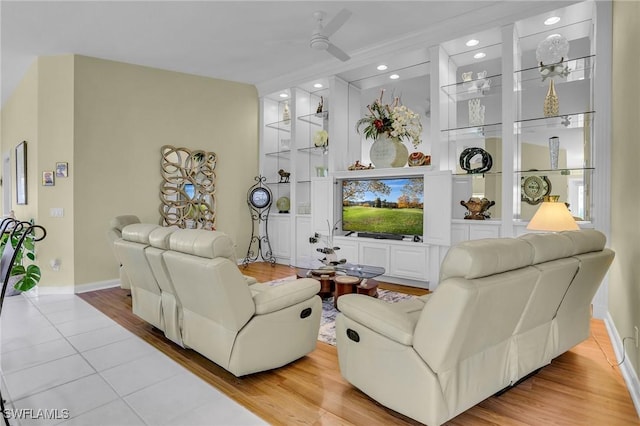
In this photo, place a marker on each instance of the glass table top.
(351, 269)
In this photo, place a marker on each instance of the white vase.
(476, 113)
(554, 150)
(388, 152)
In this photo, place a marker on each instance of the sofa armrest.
(380, 316)
(250, 280)
(271, 299)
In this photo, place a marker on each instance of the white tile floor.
(60, 354)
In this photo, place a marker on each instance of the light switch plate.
(56, 212)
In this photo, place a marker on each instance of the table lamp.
(552, 216)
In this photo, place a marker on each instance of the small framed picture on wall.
(48, 178)
(62, 169)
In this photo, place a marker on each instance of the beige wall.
(624, 278)
(40, 112)
(108, 120)
(20, 123)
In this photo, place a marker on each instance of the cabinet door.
(348, 249)
(484, 231)
(459, 233)
(374, 254)
(305, 251)
(280, 236)
(321, 205)
(409, 262)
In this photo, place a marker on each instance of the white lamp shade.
(554, 217)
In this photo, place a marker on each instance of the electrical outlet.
(636, 334)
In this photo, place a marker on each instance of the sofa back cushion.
(145, 290)
(210, 286)
(159, 243)
(549, 246)
(481, 258)
(586, 240)
(202, 243)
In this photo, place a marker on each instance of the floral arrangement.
(395, 120)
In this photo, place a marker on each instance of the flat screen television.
(383, 207)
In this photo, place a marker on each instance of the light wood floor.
(578, 388)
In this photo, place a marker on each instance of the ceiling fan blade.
(337, 22)
(337, 52)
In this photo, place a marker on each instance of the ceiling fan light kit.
(320, 36)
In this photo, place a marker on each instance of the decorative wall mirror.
(21, 173)
(188, 188)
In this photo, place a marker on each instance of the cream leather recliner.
(115, 233)
(243, 328)
(171, 309)
(503, 308)
(146, 295)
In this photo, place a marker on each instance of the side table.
(348, 285)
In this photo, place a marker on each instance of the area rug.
(327, 332)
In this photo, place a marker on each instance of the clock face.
(534, 188)
(260, 198)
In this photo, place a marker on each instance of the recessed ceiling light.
(552, 20)
(479, 55)
(381, 67)
(394, 76)
(317, 85)
(284, 95)
(472, 42)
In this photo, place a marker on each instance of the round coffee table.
(326, 278)
(347, 285)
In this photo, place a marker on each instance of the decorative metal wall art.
(188, 188)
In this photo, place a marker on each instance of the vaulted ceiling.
(265, 43)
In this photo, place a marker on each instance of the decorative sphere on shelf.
(283, 204)
(552, 50)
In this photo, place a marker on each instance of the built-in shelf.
(580, 69)
(478, 88)
(283, 125)
(471, 132)
(564, 121)
(478, 175)
(560, 172)
(315, 150)
(315, 118)
(281, 154)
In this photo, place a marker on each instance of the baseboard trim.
(100, 285)
(626, 368)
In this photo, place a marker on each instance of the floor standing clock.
(259, 200)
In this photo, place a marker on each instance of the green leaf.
(18, 270)
(30, 279)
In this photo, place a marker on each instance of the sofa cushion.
(548, 247)
(586, 240)
(138, 232)
(209, 244)
(119, 222)
(159, 237)
(480, 258)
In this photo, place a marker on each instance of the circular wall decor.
(469, 154)
(260, 197)
(534, 188)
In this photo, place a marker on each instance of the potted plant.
(22, 238)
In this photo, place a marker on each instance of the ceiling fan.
(321, 34)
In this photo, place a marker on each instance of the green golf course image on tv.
(383, 206)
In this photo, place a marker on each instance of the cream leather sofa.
(114, 233)
(243, 328)
(503, 308)
(186, 283)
